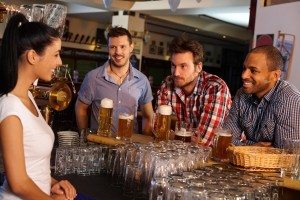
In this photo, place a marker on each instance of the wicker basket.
(259, 157)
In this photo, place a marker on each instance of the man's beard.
(184, 84)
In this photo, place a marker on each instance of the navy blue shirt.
(272, 119)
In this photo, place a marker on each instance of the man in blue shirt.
(118, 81)
(266, 110)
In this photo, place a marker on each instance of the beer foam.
(165, 110)
(223, 132)
(125, 116)
(106, 103)
(183, 132)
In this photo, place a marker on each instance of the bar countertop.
(99, 187)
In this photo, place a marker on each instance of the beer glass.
(222, 140)
(26, 10)
(125, 126)
(105, 117)
(163, 123)
(184, 135)
(54, 16)
(37, 13)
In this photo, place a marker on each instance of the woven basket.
(260, 157)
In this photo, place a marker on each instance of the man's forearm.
(82, 121)
(147, 128)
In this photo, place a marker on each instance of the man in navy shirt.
(266, 110)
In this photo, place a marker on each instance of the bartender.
(117, 80)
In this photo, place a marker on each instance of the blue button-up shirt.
(272, 119)
(133, 92)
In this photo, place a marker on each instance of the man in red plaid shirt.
(199, 100)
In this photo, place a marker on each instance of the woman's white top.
(38, 139)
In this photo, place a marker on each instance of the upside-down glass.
(85, 162)
(158, 188)
(95, 158)
(111, 159)
(70, 162)
(176, 190)
(26, 10)
(295, 172)
(128, 182)
(291, 147)
(118, 169)
(54, 16)
(37, 13)
(60, 161)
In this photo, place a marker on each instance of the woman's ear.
(32, 57)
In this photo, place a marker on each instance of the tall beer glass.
(163, 123)
(125, 126)
(222, 140)
(105, 117)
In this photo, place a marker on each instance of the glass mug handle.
(215, 141)
(215, 147)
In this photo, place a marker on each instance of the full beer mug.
(163, 123)
(105, 117)
(125, 126)
(222, 140)
(184, 135)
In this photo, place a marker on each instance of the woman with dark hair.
(30, 50)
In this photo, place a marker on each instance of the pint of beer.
(183, 135)
(222, 140)
(163, 123)
(125, 127)
(105, 117)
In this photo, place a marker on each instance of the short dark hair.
(118, 31)
(20, 36)
(273, 55)
(182, 45)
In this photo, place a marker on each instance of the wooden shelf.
(90, 47)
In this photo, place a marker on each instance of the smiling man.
(199, 100)
(266, 110)
(118, 81)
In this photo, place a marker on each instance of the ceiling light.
(241, 19)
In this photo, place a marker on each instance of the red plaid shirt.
(204, 109)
